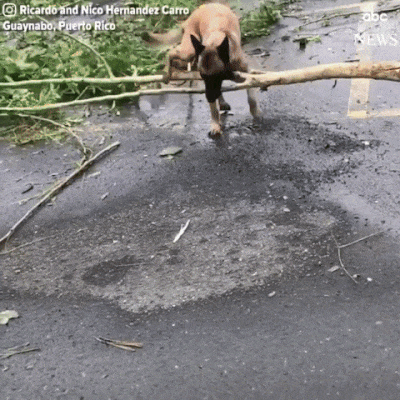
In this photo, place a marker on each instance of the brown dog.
(211, 35)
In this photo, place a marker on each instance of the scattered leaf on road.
(334, 268)
(170, 151)
(5, 316)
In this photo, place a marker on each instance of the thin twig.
(58, 188)
(86, 152)
(342, 246)
(328, 17)
(121, 344)
(339, 247)
(338, 11)
(25, 245)
(17, 350)
(341, 262)
(182, 231)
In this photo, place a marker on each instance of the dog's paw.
(215, 131)
(259, 121)
(256, 113)
(224, 106)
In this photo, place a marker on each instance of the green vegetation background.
(42, 55)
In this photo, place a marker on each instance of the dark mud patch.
(111, 271)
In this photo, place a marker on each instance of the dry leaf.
(5, 316)
(333, 269)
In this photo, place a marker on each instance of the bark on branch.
(385, 70)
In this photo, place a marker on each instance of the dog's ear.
(223, 50)
(198, 47)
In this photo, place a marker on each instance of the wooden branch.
(57, 188)
(140, 80)
(100, 99)
(385, 70)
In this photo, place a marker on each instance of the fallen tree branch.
(57, 188)
(140, 80)
(385, 70)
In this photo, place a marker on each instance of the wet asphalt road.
(244, 305)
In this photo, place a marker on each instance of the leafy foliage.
(41, 55)
(257, 23)
(52, 54)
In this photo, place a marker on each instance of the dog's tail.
(170, 38)
(174, 36)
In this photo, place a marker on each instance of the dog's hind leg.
(253, 103)
(223, 105)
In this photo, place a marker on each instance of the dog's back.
(210, 24)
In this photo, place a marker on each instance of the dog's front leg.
(216, 128)
(213, 92)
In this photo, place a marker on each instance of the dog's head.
(213, 65)
(211, 60)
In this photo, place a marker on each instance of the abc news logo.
(376, 39)
(374, 17)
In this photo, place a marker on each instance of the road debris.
(333, 269)
(121, 344)
(26, 244)
(182, 231)
(6, 315)
(58, 188)
(28, 187)
(339, 247)
(12, 351)
(170, 152)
